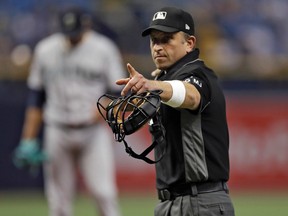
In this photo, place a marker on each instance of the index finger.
(131, 70)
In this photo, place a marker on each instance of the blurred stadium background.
(245, 41)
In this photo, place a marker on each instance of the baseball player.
(70, 71)
(191, 176)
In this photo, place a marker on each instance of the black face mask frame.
(127, 114)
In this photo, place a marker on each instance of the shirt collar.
(191, 56)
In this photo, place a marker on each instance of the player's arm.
(33, 115)
(28, 153)
(33, 120)
(176, 93)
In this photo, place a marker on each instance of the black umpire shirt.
(197, 142)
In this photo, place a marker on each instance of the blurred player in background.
(70, 71)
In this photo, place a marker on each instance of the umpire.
(193, 173)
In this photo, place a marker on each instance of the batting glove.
(29, 155)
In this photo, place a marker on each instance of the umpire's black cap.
(73, 20)
(171, 19)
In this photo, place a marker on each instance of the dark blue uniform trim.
(36, 98)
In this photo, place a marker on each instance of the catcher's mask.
(125, 115)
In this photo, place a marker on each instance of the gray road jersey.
(75, 78)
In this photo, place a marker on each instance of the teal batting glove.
(29, 155)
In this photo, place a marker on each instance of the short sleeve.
(202, 85)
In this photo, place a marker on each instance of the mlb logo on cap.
(160, 15)
(171, 19)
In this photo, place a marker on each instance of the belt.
(191, 189)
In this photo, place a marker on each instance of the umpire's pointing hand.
(136, 82)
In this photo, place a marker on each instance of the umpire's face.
(168, 48)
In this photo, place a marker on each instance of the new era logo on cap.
(159, 15)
